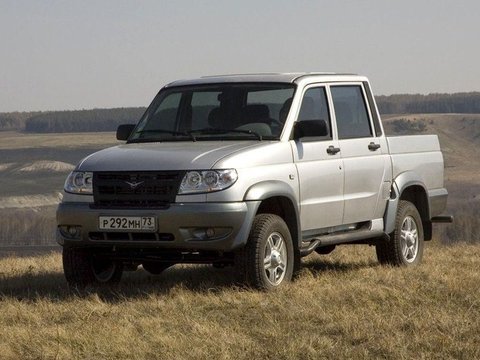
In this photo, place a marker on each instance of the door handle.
(332, 150)
(373, 147)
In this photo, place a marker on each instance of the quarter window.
(351, 112)
(315, 107)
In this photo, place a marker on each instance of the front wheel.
(267, 261)
(82, 268)
(405, 246)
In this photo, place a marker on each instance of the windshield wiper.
(212, 131)
(160, 131)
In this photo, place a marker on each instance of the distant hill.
(459, 136)
(109, 119)
(458, 103)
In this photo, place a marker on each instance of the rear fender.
(400, 184)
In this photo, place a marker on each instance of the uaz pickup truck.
(254, 171)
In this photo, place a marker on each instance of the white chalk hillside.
(6, 166)
(47, 165)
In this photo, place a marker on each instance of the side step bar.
(442, 219)
(342, 238)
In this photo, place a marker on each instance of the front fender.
(270, 188)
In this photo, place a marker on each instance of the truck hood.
(163, 156)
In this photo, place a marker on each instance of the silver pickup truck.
(254, 171)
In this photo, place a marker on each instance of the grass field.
(342, 305)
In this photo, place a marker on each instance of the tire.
(82, 268)
(405, 246)
(267, 260)
(156, 268)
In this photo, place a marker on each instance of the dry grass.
(342, 306)
(27, 226)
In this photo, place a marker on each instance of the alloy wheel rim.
(275, 261)
(409, 239)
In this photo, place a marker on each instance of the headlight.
(79, 182)
(207, 181)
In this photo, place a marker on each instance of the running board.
(342, 238)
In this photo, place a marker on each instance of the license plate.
(144, 223)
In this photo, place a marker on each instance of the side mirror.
(310, 128)
(124, 131)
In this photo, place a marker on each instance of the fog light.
(70, 231)
(210, 232)
(203, 233)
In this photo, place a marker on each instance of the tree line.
(70, 121)
(109, 119)
(15, 120)
(83, 120)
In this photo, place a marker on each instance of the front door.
(320, 169)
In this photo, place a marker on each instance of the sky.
(63, 55)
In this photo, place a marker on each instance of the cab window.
(351, 112)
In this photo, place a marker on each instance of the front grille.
(148, 189)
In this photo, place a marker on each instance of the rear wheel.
(267, 261)
(81, 268)
(405, 246)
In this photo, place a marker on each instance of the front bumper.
(180, 226)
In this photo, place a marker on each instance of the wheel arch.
(409, 186)
(277, 198)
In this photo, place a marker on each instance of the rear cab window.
(351, 113)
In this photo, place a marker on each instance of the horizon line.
(145, 106)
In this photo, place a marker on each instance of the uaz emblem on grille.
(134, 184)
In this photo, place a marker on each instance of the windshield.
(216, 112)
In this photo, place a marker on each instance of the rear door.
(363, 150)
(319, 169)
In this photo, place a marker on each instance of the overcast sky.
(58, 55)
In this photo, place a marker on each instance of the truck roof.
(293, 77)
